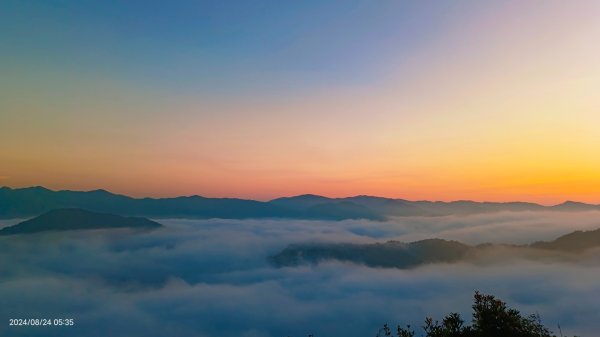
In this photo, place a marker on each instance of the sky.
(493, 100)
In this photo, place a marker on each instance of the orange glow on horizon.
(503, 106)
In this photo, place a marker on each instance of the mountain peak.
(574, 205)
(34, 189)
(571, 202)
(367, 197)
(63, 219)
(303, 197)
(100, 191)
(308, 196)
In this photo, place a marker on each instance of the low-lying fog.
(211, 278)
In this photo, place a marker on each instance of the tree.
(491, 318)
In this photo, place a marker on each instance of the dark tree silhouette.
(491, 318)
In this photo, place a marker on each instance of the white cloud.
(210, 278)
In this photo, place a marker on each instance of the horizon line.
(298, 195)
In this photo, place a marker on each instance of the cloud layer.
(211, 278)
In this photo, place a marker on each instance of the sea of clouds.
(212, 278)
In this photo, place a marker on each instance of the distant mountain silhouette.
(32, 201)
(341, 210)
(573, 242)
(574, 206)
(36, 200)
(391, 254)
(76, 219)
(395, 254)
(300, 202)
(472, 207)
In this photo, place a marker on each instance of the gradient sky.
(444, 100)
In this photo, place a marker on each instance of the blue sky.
(491, 100)
(221, 45)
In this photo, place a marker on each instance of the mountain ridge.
(64, 219)
(35, 200)
(405, 255)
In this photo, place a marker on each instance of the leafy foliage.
(491, 318)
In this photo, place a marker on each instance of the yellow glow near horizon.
(502, 108)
